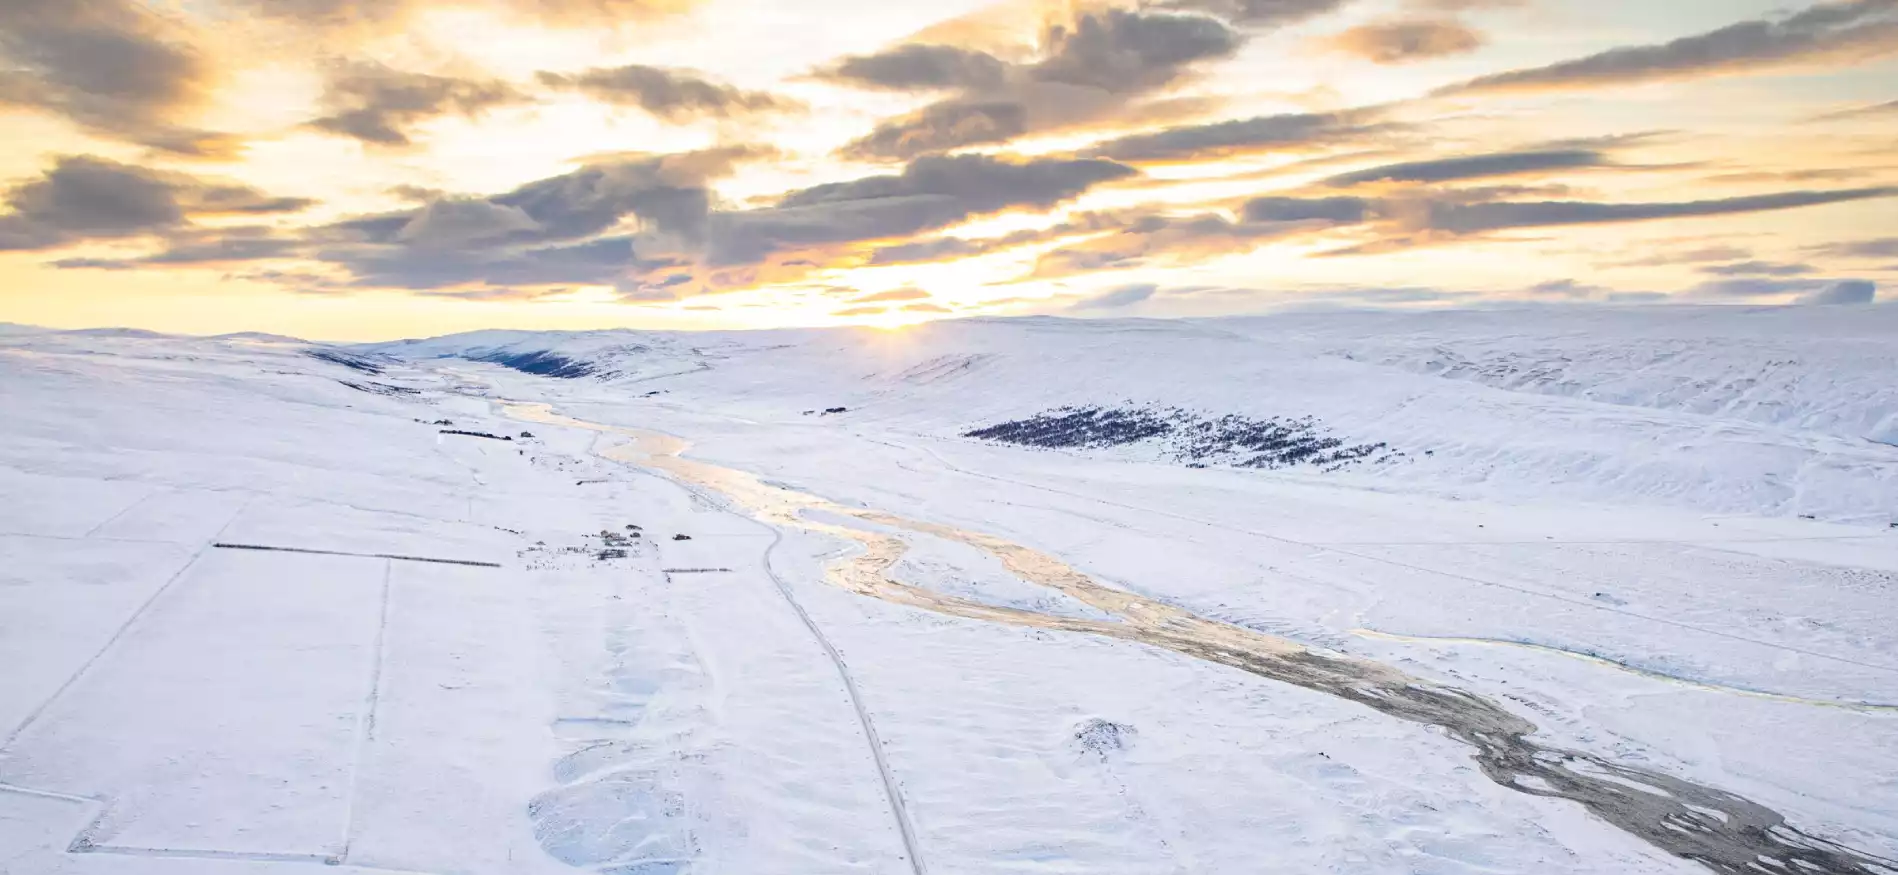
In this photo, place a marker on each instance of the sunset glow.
(329, 168)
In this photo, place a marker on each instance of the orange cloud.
(1402, 42)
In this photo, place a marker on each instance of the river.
(1723, 831)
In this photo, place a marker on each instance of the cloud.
(194, 248)
(1759, 268)
(1291, 209)
(591, 13)
(563, 230)
(1341, 297)
(420, 194)
(670, 94)
(389, 15)
(948, 248)
(82, 197)
(1475, 218)
(1120, 51)
(537, 233)
(1412, 295)
(647, 223)
(1100, 64)
(328, 14)
(938, 249)
(601, 261)
(1468, 5)
(1811, 174)
(926, 308)
(376, 104)
(1750, 287)
(1475, 166)
(1114, 299)
(668, 193)
(1076, 224)
(1278, 132)
(1402, 42)
(1258, 12)
(1141, 238)
(940, 127)
(1884, 247)
(297, 281)
(1842, 292)
(979, 183)
(904, 294)
(931, 192)
(454, 223)
(860, 311)
(1575, 291)
(1145, 239)
(1691, 256)
(491, 293)
(324, 13)
(1412, 219)
(916, 67)
(112, 67)
(1877, 109)
(1844, 32)
(1567, 288)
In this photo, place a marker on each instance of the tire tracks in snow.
(892, 789)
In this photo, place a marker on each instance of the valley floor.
(617, 665)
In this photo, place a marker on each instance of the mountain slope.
(1776, 411)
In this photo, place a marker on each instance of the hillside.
(1015, 597)
(1778, 411)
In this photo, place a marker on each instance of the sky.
(369, 169)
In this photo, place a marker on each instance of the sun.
(895, 320)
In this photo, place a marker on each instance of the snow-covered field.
(1661, 536)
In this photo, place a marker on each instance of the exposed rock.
(1189, 438)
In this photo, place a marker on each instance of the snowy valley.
(1601, 590)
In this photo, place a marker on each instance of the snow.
(1597, 525)
(273, 760)
(1783, 411)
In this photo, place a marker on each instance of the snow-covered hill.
(727, 604)
(1777, 411)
